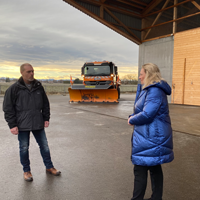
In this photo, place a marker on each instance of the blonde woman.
(152, 136)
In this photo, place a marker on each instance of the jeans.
(40, 136)
(140, 182)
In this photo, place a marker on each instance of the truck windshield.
(97, 70)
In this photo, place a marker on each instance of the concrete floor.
(91, 145)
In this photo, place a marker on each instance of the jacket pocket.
(38, 122)
(21, 117)
(24, 120)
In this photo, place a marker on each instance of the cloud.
(53, 35)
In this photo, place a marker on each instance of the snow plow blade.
(93, 95)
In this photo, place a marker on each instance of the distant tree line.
(125, 80)
(7, 79)
(76, 81)
(129, 79)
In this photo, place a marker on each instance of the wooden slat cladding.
(186, 53)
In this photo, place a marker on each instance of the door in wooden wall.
(192, 82)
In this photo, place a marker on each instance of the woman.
(152, 136)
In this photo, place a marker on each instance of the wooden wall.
(186, 68)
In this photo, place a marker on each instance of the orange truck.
(100, 83)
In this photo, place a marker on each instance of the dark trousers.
(40, 136)
(140, 182)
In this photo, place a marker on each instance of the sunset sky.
(57, 40)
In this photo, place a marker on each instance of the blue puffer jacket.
(152, 136)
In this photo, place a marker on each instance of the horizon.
(57, 39)
(39, 72)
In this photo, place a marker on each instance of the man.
(26, 109)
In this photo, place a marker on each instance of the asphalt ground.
(91, 145)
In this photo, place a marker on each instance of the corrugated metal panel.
(146, 1)
(94, 9)
(108, 18)
(188, 8)
(158, 31)
(159, 52)
(122, 29)
(128, 20)
(191, 22)
(137, 33)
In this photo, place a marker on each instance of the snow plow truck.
(100, 83)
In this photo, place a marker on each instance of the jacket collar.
(162, 85)
(21, 82)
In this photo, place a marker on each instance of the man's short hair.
(22, 66)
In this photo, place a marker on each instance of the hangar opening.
(167, 32)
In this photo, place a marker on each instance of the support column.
(175, 17)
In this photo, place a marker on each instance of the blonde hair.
(153, 74)
(23, 65)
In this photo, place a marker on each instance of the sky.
(57, 39)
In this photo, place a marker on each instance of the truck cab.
(99, 73)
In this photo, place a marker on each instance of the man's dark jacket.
(24, 108)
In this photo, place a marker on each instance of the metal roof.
(141, 20)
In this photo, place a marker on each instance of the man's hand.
(46, 124)
(14, 131)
